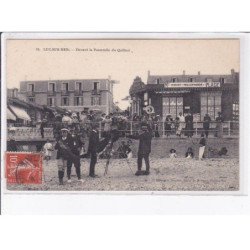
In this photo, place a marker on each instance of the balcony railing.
(51, 93)
(78, 92)
(30, 93)
(65, 92)
(96, 92)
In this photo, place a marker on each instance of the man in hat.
(76, 148)
(93, 149)
(144, 149)
(63, 146)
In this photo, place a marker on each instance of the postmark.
(23, 168)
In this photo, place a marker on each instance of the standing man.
(206, 124)
(144, 149)
(63, 146)
(219, 128)
(93, 149)
(76, 148)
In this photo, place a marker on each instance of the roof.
(184, 78)
(24, 104)
(20, 113)
(69, 80)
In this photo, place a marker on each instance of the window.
(158, 81)
(210, 104)
(78, 101)
(31, 99)
(236, 111)
(174, 79)
(51, 101)
(209, 80)
(95, 100)
(96, 85)
(222, 80)
(52, 86)
(65, 101)
(191, 79)
(65, 86)
(31, 87)
(172, 105)
(78, 86)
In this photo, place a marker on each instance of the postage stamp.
(23, 168)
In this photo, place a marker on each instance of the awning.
(20, 113)
(10, 115)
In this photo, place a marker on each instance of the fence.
(159, 129)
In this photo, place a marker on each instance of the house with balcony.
(74, 94)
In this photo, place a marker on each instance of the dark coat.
(93, 142)
(65, 151)
(202, 142)
(144, 142)
(206, 123)
(77, 144)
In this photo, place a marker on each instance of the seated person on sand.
(213, 152)
(124, 150)
(172, 153)
(189, 154)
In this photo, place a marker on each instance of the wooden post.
(163, 129)
(131, 127)
(229, 128)
(196, 128)
(100, 130)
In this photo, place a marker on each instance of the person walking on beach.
(144, 149)
(202, 144)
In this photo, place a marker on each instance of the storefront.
(199, 97)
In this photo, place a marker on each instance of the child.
(47, 149)
(189, 153)
(202, 144)
(172, 153)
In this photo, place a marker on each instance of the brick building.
(201, 94)
(75, 95)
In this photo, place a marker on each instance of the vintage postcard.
(121, 113)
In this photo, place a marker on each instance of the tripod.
(108, 150)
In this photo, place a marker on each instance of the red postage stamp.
(23, 168)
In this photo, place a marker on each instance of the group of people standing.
(180, 124)
(184, 125)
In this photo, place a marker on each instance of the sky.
(123, 60)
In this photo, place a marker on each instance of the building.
(201, 94)
(20, 112)
(75, 95)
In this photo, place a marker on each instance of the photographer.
(144, 149)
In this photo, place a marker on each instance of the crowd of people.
(181, 125)
(72, 130)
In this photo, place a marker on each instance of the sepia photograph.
(122, 114)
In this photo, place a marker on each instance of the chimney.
(184, 72)
(148, 73)
(232, 72)
(199, 73)
(15, 90)
(109, 77)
